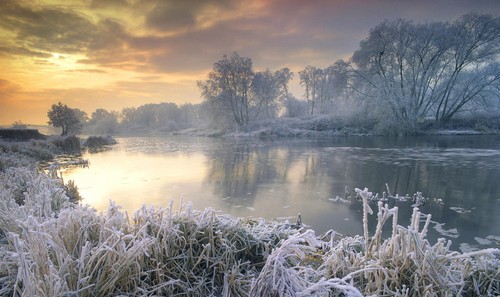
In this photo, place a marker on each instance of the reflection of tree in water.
(239, 171)
(236, 172)
(302, 173)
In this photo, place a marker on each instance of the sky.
(114, 54)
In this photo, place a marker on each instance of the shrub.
(94, 142)
(66, 144)
(72, 191)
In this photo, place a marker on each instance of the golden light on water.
(156, 181)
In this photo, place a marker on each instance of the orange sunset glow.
(114, 54)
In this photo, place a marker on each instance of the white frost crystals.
(50, 247)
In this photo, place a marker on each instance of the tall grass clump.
(406, 264)
(157, 252)
(24, 193)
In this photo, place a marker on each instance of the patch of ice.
(467, 248)
(493, 237)
(285, 218)
(439, 201)
(482, 241)
(453, 233)
(459, 209)
(251, 208)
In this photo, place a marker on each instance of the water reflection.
(281, 178)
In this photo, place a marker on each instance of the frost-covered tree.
(164, 116)
(60, 115)
(283, 77)
(324, 86)
(104, 122)
(310, 79)
(81, 115)
(473, 70)
(294, 108)
(270, 89)
(265, 88)
(438, 69)
(238, 94)
(228, 88)
(337, 79)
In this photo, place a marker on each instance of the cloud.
(88, 70)
(188, 36)
(21, 51)
(7, 87)
(39, 29)
(174, 16)
(108, 4)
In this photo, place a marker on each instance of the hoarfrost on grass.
(50, 247)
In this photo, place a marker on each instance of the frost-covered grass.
(344, 124)
(39, 150)
(316, 126)
(51, 247)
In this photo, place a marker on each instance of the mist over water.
(280, 178)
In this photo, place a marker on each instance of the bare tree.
(310, 79)
(283, 77)
(434, 68)
(229, 87)
(103, 122)
(265, 88)
(270, 88)
(324, 86)
(473, 67)
(238, 93)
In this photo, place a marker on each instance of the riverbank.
(50, 246)
(20, 134)
(327, 126)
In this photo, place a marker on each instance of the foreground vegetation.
(50, 246)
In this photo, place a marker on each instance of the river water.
(280, 178)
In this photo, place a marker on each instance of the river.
(280, 178)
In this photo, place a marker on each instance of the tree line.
(402, 74)
(162, 116)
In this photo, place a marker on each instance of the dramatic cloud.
(175, 16)
(45, 29)
(120, 53)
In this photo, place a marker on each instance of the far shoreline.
(32, 132)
